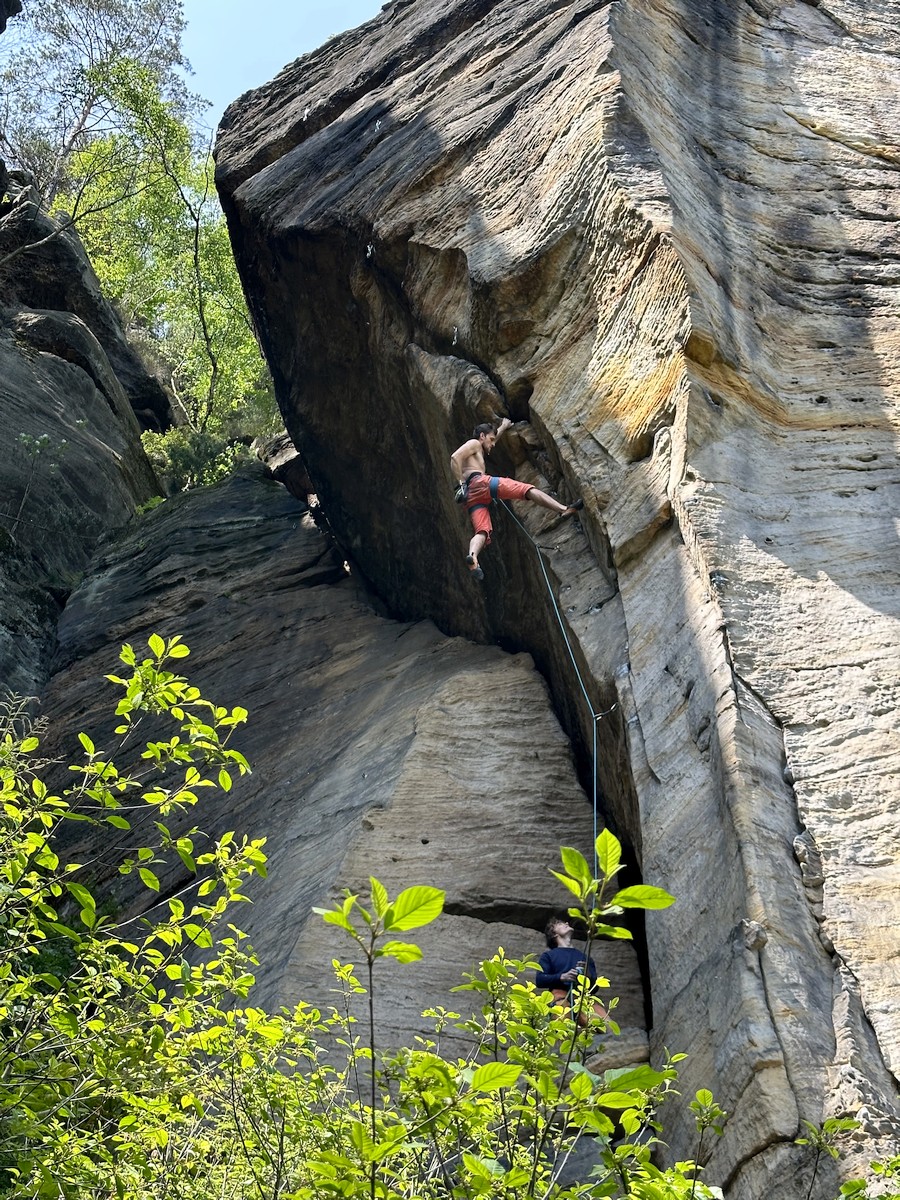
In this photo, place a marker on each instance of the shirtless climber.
(479, 489)
(562, 963)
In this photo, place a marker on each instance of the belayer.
(561, 964)
(477, 490)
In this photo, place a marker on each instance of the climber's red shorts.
(481, 492)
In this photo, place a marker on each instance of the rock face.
(54, 273)
(71, 463)
(378, 764)
(660, 237)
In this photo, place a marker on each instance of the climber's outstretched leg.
(536, 496)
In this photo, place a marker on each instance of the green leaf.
(593, 1121)
(580, 1087)
(224, 780)
(187, 859)
(179, 650)
(198, 934)
(642, 896)
(380, 900)
(616, 1100)
(150, 880)
(483, 1168)
(81, 895)
(612, 931)
(609, 853)
(334, 916)
(360, 1138)
(630, 1122)
(86, 742)
(572, 884)
(644, 1077)
(414, 907)
(29, 744)
(64, 1021)
(493, 1076)
(403, 951)
(64, 930)
(156, 644)
(576, 865)
(383, 1149)
(117, 822)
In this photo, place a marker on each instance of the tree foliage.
(113, 140)
(58, 68)
(94, 1010)
(132, 1066)
(163, 255)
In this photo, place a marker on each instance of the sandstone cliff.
(367, 739)
(72, 467)
(658, 235)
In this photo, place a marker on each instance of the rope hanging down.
(595, 716)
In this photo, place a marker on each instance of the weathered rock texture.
(659, 234)
(54, 273)
(366, 738)
(71, 463)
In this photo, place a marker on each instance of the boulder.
(72, 470)
(43, 266)
(657, 236)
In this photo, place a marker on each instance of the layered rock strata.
(378, 765)
(72, 467)
(43, 266)
(659, 237)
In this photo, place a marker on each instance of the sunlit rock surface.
(661, 236)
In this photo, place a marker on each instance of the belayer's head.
(557, 928)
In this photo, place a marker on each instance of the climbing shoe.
(574, 507)
(474, 570)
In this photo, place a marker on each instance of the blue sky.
(234, 45)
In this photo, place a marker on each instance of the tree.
(109, 141)
(128, 1071)
(163, 255)
(57, 73)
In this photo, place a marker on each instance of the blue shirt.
(556, 962)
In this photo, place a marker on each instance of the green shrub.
(131, 1065)
(186, 458)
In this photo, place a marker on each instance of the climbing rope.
(595, 716)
